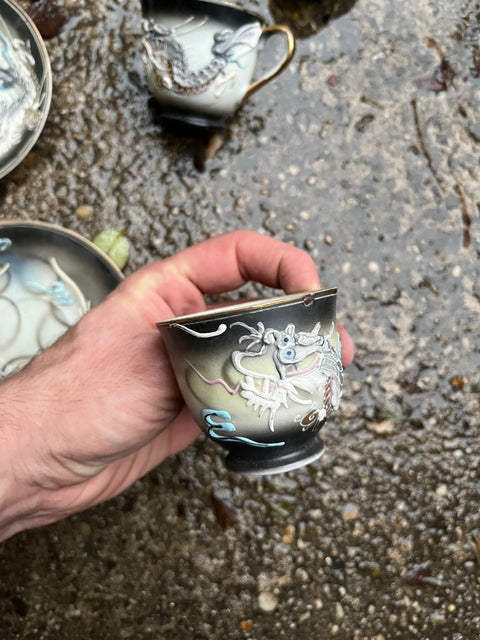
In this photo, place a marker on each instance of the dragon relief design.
(22, 95)
(166, 61)
(304, 362)
(33, 314)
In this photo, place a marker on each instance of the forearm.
(76, 423)
(36, 409)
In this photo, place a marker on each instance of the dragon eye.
(289, 354)
(286, 340)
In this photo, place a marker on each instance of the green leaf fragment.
(115, 244)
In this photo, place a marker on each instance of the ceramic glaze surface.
(38, 303)
(200, 57)
(196, 62)
(261, 379)
(25, 85)
(39, 298)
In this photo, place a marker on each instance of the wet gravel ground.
(365, 152)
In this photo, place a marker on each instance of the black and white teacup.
(261, 378)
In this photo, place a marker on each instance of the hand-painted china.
(200, 57)
(49, 277)
(25, 85)
(261, 378)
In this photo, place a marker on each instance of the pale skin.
(101, 408)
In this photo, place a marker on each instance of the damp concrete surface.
(365, 153)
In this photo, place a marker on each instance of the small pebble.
(339, 611)
(373, 267)
(441, 491)
(289, 534)
(84, 212)
(350, 512)
(381, 428)
(458, 382)
(246, 625)
(267, 601)
(437, 617)
(301, 575)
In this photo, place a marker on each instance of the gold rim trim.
(249, 306)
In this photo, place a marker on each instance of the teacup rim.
(248, 305)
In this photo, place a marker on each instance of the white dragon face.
(293, 349)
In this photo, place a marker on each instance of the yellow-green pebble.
(115, 244)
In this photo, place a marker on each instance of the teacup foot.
(248, 460)
(180, 121)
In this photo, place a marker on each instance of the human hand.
(101, 407)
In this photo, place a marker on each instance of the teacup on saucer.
(200, 58)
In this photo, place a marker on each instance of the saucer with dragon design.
(49, 278)
(261, 378)
(200, 58)
(25, 85)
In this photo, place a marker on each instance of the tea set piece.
(25, 85)
(49, 278)
(261, 378)
(200, 58)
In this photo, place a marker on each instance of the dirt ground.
(364, 152)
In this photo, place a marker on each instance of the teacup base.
(244, 459)
(179, 120)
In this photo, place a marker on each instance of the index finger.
(228, 261)
(175, 286)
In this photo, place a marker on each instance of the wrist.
(19, 498)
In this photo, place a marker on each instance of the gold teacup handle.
(290, 50)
